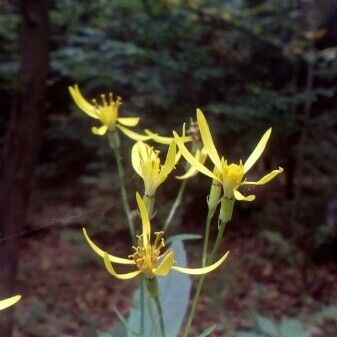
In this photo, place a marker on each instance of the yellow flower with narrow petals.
(230, 176)
(146, 162)
(9, 301)
(147, 257)
(199, 153)
(107, 113)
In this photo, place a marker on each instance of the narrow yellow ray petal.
(145, 220)
(135, 158)
(203, 270)
(207, 139)
(9, 301)
(169, 162)
(190, 158)
(241, 197)
(255, 155)
(101, 252)
(82, 103)
(133, 135)
(112, 271)
(265, 179)
(191, 172)
(165, 265)
(128, 121)
(165, 140)
(101, 131)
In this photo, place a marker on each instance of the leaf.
(183, 237)
(266, 325)
(248, 334)
(174, 297)
(327, 312)
(293, 327)
(208, 331)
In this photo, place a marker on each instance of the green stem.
(206, 238)
(161, 316)
(142, 306)
(176, 204)
(201, 281)
(125, 201)
(153, 291)
(222, 227)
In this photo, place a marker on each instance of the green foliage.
(267, 327)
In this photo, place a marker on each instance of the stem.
(161, 316)
(176, 204)
(125, 202)
(142, 306)
(222, 227)
(153, 291)
(207, 230)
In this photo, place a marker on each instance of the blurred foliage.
(248, 64)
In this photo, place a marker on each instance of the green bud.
(226, 209)
(149, 204)
(214, 196)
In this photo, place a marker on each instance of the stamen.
(104, 100)
(110, 98)
(94, 102)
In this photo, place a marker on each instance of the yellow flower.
(230, 176)
(200, 154)
(146, 162)
(107, 113)
(9, 301)
(147, 256)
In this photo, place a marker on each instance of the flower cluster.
(149, 256)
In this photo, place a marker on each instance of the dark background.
(249, 65)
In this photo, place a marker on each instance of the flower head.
(197, 150)
(147, 256)
(107, 112)
(146, 162)
(9, 301)
(230, 176)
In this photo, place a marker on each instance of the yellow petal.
(207, 139)
(165, 140)
(169, 162)
(265, 179)
(165, 265)
(101, 131)
(255, 155)
(201, 157)
(133, 135)
(128, 121)
(145, 220)
(190, 158)
(101, 252)
(112, 271)
(135, 157)
(241, 197)
(9, 301)
(203, 270)
(82, 103)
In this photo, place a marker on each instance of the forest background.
(249, 64)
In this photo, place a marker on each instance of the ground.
(67, 292)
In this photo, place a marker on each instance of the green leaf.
(293, 327)
(267, 325)
(208, 331)
(248, 334)
(183, 237)
(174, 297)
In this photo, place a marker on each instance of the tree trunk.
(22, 144)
